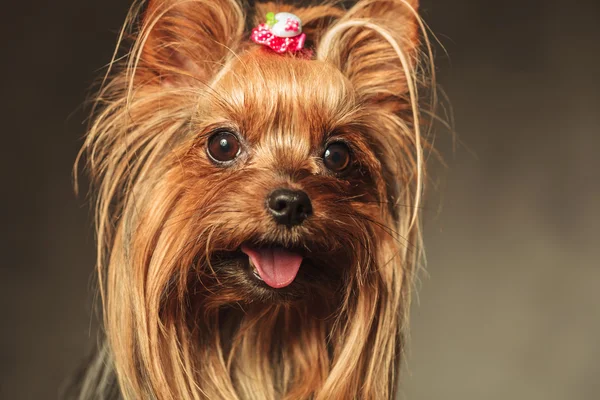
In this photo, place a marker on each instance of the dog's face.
(256, 211)
(283, 176)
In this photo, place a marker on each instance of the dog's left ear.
(376, 46)
(183, 40)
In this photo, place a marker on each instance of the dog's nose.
(289, 207)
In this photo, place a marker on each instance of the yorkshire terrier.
(258, 171)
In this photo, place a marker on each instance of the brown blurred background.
(510, 305)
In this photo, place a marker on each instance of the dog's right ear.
(187, 40)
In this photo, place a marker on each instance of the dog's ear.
(186, 40)
(375, 45)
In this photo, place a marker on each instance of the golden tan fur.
(180, 326)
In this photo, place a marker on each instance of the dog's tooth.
(254, 270)
(257, 275)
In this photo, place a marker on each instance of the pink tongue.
(277, 267)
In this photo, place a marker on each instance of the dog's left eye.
(337, 157)
(223, 146)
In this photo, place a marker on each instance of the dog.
(258, 172)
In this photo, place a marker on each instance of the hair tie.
(282, 33)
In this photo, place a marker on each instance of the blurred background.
(510, 305)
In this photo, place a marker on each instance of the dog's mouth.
(275, 266)
(272, 271)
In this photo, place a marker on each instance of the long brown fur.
(183, 322)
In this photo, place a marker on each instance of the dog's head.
(257, 211)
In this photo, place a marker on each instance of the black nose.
(289, 207)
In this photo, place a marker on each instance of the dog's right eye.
(223, 146)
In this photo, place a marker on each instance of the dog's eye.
(223, 146)
(337, 157)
